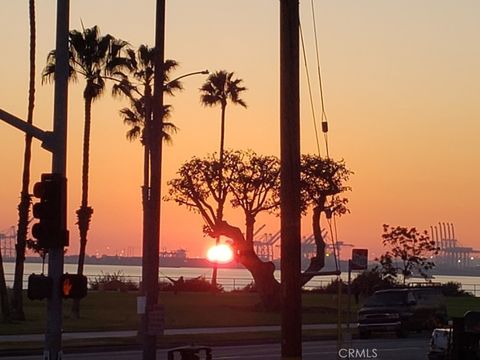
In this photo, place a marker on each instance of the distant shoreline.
(185, 262)
(173, 262)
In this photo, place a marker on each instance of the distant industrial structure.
(8, 238)
(451, 252)
(309, 249)
(265, 245)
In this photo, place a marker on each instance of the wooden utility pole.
(290, 180)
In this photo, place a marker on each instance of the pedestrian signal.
(39, 287)
(73, 286)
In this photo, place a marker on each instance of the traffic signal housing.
(73, 286)
(39, 287)
(50, 231)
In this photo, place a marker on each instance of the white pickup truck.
(461, 341)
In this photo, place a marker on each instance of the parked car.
(402, 310)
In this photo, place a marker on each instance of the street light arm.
(204, 72)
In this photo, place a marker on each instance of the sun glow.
(220, 254)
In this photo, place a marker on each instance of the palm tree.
(219, 88)
(135, 117)
(137, 86)
(24, 205)
(96, 58)
(4, 308)
(139, 91)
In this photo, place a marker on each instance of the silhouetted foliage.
(252, 183)
(136, 84)
(453, 288)
(332, 287)
(322, 182)
(196, 185)
(249, 288)
(116, 281)
(409, 251)
(220, 88)
(254, 186)
(369, 281)
(197, 284)
(96, 58)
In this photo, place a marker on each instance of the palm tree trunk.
(3, 293)
(221, 195)
(147, 140)
(220, 189)
(24, 206)
(145, 193)
(85, 212)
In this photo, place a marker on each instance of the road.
(414, 348)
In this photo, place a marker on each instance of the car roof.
(411, 289)
(392, 290)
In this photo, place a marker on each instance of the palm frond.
(221, 86)
(134, 133)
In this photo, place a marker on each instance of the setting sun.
(220, 253)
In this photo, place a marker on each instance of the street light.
(151, 245)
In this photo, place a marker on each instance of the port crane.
(8, 238)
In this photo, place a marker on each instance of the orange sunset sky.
(402, 89)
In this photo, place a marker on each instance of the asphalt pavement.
(187, 331)
(414, 348)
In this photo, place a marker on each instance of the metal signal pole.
(56, 142)
(53, 336)
(290, 180)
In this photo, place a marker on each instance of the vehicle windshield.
(387, 299)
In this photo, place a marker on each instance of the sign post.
(359, 261)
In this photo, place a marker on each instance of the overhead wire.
(324, 121)
(307, 73)
(320, 82)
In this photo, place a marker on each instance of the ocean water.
(228, 278)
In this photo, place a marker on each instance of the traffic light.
(50, 231)
(73, 286)
(39, 287)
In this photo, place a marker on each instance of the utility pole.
(152, 260)
(290, 180)
(53, 336)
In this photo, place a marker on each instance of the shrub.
(369, 281)
(332, 287)
(249, 288)
(198, 284)
(453, 288)
(112, 282)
